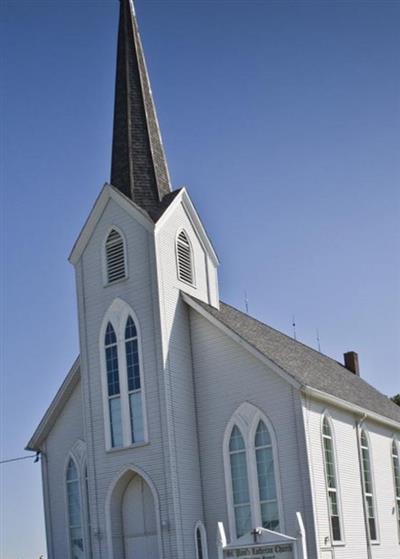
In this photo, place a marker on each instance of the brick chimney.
(351, 362)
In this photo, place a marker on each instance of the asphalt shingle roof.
(306, 365)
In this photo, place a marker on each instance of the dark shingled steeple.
(139, 168)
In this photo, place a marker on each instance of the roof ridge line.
(286, 335)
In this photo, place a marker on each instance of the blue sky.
(281, 118)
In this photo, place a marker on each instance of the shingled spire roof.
(139, 168)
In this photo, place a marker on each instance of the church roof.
(305, 365)
(139, 167)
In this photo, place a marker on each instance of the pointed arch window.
(368, 485)
(74, 511)
(113, 386)
(266, 478)
(184, 258)
(331, 481)
(115, 257)
(134, 382)
(87, 505)
(240, 482)
(122, 378)
(200, 541)
(396, 478)
(252, 473)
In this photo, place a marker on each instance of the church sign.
(260, 543)
(275, 551)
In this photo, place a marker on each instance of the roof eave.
(55, 408)
(184, 198)
(285, 375)
(349, 406)
(108, 192)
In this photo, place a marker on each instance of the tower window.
(122, 378)
(184, 258)
(134, 384)
(115, 257)
(114, 396)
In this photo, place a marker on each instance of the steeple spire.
(139, 168)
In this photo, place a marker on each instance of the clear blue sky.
(282, 119)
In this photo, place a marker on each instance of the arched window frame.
(78, 456)
(247, 418)
(117, 315)
(86, 508)
(395, 459)
(327, 417)
(193, 282)
(104, 256)
(200, 528)
(366, 495)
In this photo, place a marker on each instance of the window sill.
(129, 447)
(116, 282)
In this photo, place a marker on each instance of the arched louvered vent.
(185, 261)
(115, 257)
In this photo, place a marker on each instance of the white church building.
(186, 429)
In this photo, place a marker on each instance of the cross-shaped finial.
(255, 533)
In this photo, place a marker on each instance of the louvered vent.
(184, 254)
(115, 257)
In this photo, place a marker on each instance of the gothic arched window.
(200, 541)
(252, 473)
(74, 511)
(113, 386)
(115, 258)
(122, 377)
(134, 383)
(396, 478)
(266, 478)
(368, 484)
(184, 258)
(331, 480)
(240, 482)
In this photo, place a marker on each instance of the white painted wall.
(140, 292)
(67, 430)
(152, 290)
(195, 377)
(226, 375)
(177, 358)
(350, 488)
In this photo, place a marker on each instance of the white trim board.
(56, 406)
(349, 406)
(184, 199)
(234, 336)
(107, 193)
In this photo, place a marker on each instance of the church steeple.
(139, 168)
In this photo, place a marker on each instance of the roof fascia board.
(108, 192)
(238, 339)
(183, 198)
(348, 406)
(55, 408)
